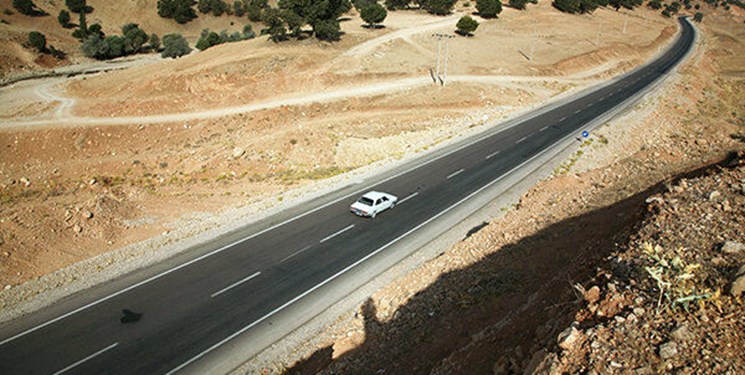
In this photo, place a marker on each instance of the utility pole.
(532, 43)
(439, 54)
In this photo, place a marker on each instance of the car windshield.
(366, 201)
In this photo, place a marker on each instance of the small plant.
(675, 279)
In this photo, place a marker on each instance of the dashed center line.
(521, 139)
(88, 358)
(455, 173)
(409, 197)
(563, 118)
(544, 128)
(295, 253)
(235, 284)
(492, 154)
(577, 111)
(337, 233)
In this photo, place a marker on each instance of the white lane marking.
(493, 154)
(455, 173)
(562, 119)
(591, 104)
(337, 233)
(407, 198)
(295, 253)
(355, 264)
(235, 284)
(521, 139)
(88, 358)
(164, 273)
(544, 128)
(577, 111)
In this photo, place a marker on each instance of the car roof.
(374, 195)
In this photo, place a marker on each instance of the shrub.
(655, 4)
(698, 17)
(248, 32)
(154, 42)
(488, 8)
(78, 6)
(181, 11)
(362, 4)
(38, 41)
(28, 8)
(327, 30)
(255, 8)
(174, 45)
(466, 25)
(396, 4)
(438, 7)
(239, 8)
(275, 27)
(134, 38)
(519, 4)
(64, 19)
(208, 39)
(575, 6)
(373, 14)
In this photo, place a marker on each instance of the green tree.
(255, 8)
(208, 39)
(275, 26)
(248, 32)
(519, 4)
(396, 4)
(655, 4)
(154, 42)
(38, 41)
(181, 11)
(239, 8)
(64, 19)
(293, 21)
(115, 44)
(82, 31)
(373, 14)
(28, 8)
(78, 6)
(698, 17)
(174, 45)
(327, 30)
(575, 6)
(95, 29)
(466, 26)
(362, 4)
(95, 47)
(489, 8)
(134, 38)
(438, 7)
(204, 6)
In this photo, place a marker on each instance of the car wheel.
(373, 215)
(393, 205)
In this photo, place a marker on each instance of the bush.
(255, 8)
(466, 25)
(655, 4)
(78, 6)
(327, 30)
(396, 4)
(698, 17)
(28, 8)
(519, 4)
(438, 7)
(575, 6)
(208, 39)
(64, 19)
(154, 42)
(38, 41)
(134, 38)
(373, 14)
(239, 8)
(248, 32)
(174, 45)
(488, 8)
(181, 11)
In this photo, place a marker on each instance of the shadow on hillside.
(512, 303)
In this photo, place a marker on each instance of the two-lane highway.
(193, 309)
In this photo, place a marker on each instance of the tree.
(248, 32)
(28, 8)
(82, 30)
(466, 26)
(293, 21)
(655, 4)
(396, 4)
(95, 47)
(698, 17)
(275, 26)
(255, 8)
(239, 8)
(489, 8)
(78, 6)
(174, 45)
(154, 42)
(327, 30)
(575, 6)
(438, 7)
(362, 4)
(181, 11)
(38, 41)
(373, 14)
(208, 39)
(519, 4)
(64, 19)
(134, 38)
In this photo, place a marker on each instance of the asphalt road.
(194, 308)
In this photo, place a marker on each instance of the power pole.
(439, 54)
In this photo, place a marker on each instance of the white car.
(373, 203)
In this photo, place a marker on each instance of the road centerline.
(336, 234)
(493, 154)
(409, 197)
(455, 173)
(295, 253)
(544, 128)
(521, 139)
(86, 359)
(235, 284)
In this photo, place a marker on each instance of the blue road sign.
(585, 133)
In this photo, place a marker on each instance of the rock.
(7, 287)
(738, 285)
(668, 350)
(714, 195)
(238, 152)
(726, 206)
(592, 295)
(568, 338)
(87, 214)
(25, 181)
(732, 247)
(92, 182)
(77, 228)
(6, 254)
(682, 334)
